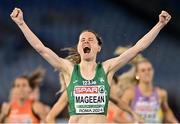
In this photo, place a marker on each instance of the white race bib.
(89, 99)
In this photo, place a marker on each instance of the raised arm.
(115, 64)
(57, 62)
(57, 108)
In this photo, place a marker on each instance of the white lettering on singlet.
(89, 99)
(20, 118)
(89, 82)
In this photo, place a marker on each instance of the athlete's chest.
(93, 82)
(90, 98)
(20, 115)
(147, 104)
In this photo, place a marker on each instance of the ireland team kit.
(88, 96)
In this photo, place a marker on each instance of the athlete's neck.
(21, 101)
(88, 69)
(146, 88)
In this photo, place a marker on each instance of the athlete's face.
(88, 46)
(14, 94)
(22, 88)
(145, 72)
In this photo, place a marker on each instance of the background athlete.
(21, 108)
(148, 101)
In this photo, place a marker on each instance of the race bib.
(21, 118)
(148, 110)
(89, 99)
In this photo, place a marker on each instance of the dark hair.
(22, 77)
(73, 54)
(35, 79)
(99, 39)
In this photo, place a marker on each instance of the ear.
(99, 48)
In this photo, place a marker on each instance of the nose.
(21, 88)
(86, 41)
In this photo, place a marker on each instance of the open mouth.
(87, 50)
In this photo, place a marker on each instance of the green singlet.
(88, 96)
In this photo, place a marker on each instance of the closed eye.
(83, 39)
(90, 39)
(148, 69)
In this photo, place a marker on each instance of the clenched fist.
(17, 16)
(164, 18)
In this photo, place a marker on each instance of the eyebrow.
(90, 38)
(145, 68)
(82, 38)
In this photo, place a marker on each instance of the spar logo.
(89, 89)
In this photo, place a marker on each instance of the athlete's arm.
(4, 112)
(117, 114)
(126, 99)
(57, 62)
(47, 109)
(128, 95)
(39, 109)
(57, 108)
(124, 102)
(116, 63)
(168, 114)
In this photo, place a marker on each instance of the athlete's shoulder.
(5, 104)
(161, 92)
(105, 65)
(38, 107)
(37, 104)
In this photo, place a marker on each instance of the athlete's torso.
(88, 98)
(88, 118)
(148, 107)
(22, 113)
